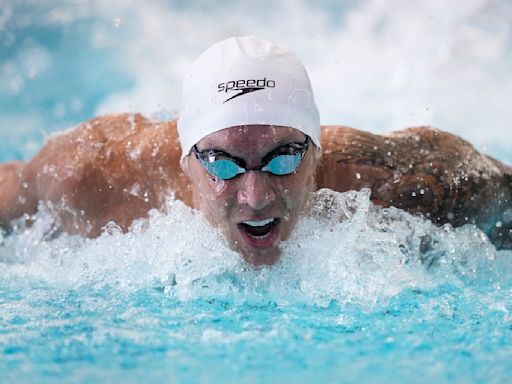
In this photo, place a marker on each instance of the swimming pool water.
(438, 335)
(352, 300)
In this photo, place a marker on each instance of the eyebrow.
(280, 143)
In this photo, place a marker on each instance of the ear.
(184, 164)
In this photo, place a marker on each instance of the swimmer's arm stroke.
(16, 198)
(118, 167)
(111, 168)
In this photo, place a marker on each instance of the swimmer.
(252, 154)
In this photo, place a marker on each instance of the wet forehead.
(250, 140)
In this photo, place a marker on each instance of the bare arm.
(118, 167)
(111, 168)
(422, 170)
(16, 196)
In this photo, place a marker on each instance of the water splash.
(355, 282)
(347, 251)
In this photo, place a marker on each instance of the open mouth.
(260, 233)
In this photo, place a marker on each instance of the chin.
(260, 258)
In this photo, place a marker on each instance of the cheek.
(303, 182)
(211, 196)
(217, 199)
(291, 188)
(206, 187)
(296, 189)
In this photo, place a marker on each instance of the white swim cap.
(246, 80)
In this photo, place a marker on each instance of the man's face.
(255, 210)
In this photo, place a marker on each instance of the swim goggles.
(281, 161)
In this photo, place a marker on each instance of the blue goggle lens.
(283, 165)
(281, 161)
(223, 169)
(227, 169)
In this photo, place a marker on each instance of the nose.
(256, 190)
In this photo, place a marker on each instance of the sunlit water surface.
(360, 294)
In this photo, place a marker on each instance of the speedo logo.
(245, 86)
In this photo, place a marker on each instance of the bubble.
(116, 22)
(346, 250)
(506, 216)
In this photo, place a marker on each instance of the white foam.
(347, 250)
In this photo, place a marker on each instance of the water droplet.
(116, 22)
(413, 194)
(358, 176)
(286, 218)
(499, 224)
(506, 216)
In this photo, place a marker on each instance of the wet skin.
(254, 195)
(118, 167)
(422, 170)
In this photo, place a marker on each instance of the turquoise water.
(352, 300)
(446, 334)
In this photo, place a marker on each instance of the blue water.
(167, 303)
(446, 334)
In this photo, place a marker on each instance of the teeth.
(258, 223)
